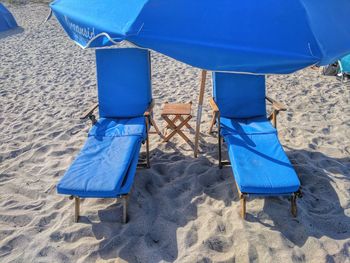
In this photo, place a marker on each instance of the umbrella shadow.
(164, 199)
(243, 141)
(11, 32)
(320, 211)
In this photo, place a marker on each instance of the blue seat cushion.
(106, 165)
(107, 127)
(256, 125)
(259, 163)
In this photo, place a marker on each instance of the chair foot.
(294, 209)
(125, 209)
(77, 209)
(243, 205)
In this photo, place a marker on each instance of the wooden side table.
(174, 113)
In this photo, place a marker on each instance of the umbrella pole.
(199, 112)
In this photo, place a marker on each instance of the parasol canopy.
(254, 36)
(7, 21)
(250, 36)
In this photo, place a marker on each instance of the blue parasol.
(250, 36)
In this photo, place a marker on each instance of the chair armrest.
(276, 105)
(149, 110)
(213, 105)
(89, 112)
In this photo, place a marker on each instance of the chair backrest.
(124, 82)
(344, 64)
(239, 95)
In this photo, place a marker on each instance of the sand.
(182, 209)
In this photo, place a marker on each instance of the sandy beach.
(182, 209)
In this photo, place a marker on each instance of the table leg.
(176, 129)
(186, 124)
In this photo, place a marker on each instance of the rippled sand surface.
(182, 209)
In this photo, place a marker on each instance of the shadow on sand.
(11, 32)
(320, 211)
(166, 198)
(163, 200)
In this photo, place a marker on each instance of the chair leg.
(148, 165)
(77, 209)
(294, 209)
(154, 124)
(243, 205)
(125, 208)
(147, 143)
(220, 157)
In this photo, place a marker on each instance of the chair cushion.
(259, 163)
(106, 165)
(124, 84)
(106, 127)
(239, 95)
(257, 125)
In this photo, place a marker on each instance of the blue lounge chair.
(344, 67)
(106, 165)
(259, 163)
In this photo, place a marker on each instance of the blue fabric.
(106, 165)
(119, 127)
(251, 126)
(238, 95)
(259, 163)
(124, 85)
(83, 20)
(7, 21)
(269, 36)
(345, 64)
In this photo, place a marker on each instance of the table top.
(177, 109)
